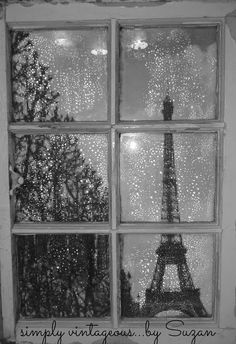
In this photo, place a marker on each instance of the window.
(136, 189)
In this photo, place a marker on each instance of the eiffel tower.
(171, 250)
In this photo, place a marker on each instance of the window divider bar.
(61, 230)
(57, 25)
(113, 104)
(173, 126)
(219, 178)
(175, 21)
(160, 228)
(113, 181)
(221, 71)
(115, 285)
(113, 69)
(53, 127)
(216, 277)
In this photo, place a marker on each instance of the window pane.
(63, 276)
(64, 178)
(59, 75)
(166, 275)
(179, 61)
(185, 182)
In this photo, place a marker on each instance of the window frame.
(114, 228)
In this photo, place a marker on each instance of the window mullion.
(113, 70)
(114, 210)
(115, 286)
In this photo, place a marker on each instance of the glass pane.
(166, 275)
(64, 178)
(63, 276)
(59, 75)
(167, 177)
(179, 61)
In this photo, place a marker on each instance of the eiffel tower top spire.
(168, 108)
(170, 206)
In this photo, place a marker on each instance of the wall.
(225, 330)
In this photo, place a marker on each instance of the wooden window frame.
(112, 127)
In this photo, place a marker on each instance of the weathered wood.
(7, 286)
